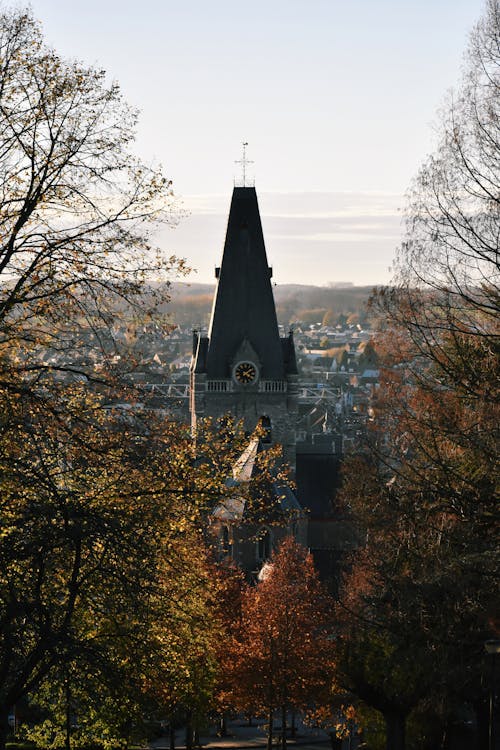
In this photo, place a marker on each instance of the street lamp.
(492, 648)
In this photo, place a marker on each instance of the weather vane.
(244, 161)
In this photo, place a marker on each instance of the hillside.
(191, 304)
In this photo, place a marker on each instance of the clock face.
(245, 373)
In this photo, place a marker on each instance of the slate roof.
(244, 306)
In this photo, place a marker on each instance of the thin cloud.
(309, 236)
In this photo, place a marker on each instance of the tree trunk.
(293, 725)
(171, 735)
(269, 731)
(222, 726)
(189, 731)
(395, 731)
(283, 727)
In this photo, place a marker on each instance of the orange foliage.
(280, 655)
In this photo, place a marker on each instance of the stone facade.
(250, 546)
(274, 405)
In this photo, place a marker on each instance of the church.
(244, 368)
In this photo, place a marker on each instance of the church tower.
(243, 367)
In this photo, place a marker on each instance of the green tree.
(72, 501)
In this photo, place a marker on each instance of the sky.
(337, 99)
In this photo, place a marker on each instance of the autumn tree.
(182, 667)
(433, 503)
(328, 318)
(230, 589)
(389, 604)
(419, 599)
(425, 494)
(280, 655)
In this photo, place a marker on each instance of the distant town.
(333, 333)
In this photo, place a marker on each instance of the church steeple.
(244, 308)
(243, 367)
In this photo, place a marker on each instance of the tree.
(73, 710)
(182, 667)
(446, 292)
(418, 602)
(76, 207)
(310, 316)
(369, 357)
(387, 607)
(280, 655)
(72, 501)
(230, 587)
(328, 318)
(98, 528)
(103, 573)
(425, 494)
(76, 210)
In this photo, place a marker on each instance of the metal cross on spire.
(244, 162)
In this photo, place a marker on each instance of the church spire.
(244, 314)
(243, 367)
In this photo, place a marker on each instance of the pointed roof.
(244, 308)
(245, 468)
(245, 465)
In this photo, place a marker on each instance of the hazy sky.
(336, 98)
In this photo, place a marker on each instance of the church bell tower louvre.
(243, 367)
